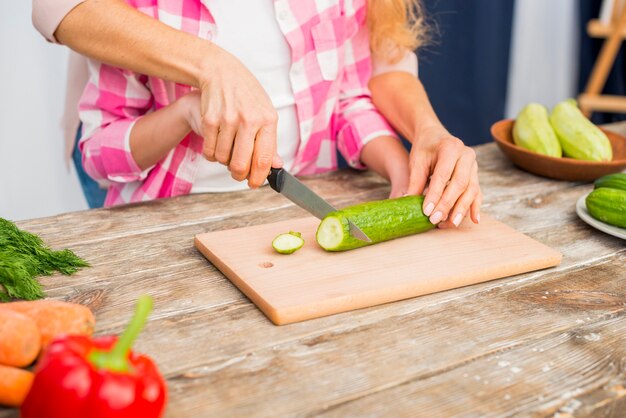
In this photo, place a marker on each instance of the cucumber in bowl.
(382, 220)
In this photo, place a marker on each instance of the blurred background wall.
(490, 58)
(465, 70)
(34, 180)
(543, 66)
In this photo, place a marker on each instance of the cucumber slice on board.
(381, 221)
(288, 243)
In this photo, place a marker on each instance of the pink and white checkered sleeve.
(358, 121)
(112, 102)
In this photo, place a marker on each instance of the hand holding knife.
(290, 187)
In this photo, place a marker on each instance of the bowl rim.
(561, 160)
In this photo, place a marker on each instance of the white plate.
(581, 210)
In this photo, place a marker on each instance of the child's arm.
(157, 133)
(358, 121)
(364, 137)
(122, 138)
(111, 104)
(387, 156)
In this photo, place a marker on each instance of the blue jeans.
(92, 191)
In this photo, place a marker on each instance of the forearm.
(401, 98)
(157, 133)
(113, 32)
(438, 160)
(387, 157)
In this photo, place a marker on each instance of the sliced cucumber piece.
(288, 243)
(331, 233)
(381, 221)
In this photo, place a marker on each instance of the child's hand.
(451, 171)
(388, 157)
(191, 111)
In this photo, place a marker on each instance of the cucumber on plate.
(611, 181)
(381, 221)
(608, 205)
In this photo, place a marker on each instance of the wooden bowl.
(558, 168)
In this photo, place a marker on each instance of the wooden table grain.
(548, 343)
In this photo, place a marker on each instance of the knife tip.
(357, 233)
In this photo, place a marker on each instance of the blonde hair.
(396, 25)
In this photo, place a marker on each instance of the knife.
(290, 187)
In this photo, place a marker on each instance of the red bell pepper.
(79, 377)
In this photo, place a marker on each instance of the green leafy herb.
(23, 257)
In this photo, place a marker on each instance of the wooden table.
(549, 343)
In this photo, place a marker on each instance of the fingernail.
(478, 218)
(457, 219)
(429, 209)
(436, 218)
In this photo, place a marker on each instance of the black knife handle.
(276, 179)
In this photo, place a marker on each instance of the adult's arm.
(437, 157)
(47, 14)
(113, 32)
(233, 103)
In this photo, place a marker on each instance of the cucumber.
(608, 205)
(288, 243)
(532, 130)
(381, 221)
(612, 181)
(579, 137)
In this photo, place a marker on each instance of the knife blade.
(284, 183)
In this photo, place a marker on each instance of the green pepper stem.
(117, 358)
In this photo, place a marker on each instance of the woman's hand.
(453, 190)
(191, 108)
(238, 120)
(436, 155)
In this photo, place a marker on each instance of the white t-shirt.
(249, 30)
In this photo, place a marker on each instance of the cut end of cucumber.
(288, 243)
(330, 233)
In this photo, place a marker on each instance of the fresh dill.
(23, 257)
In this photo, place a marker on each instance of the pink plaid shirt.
(330, 69)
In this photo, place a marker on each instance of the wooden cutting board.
(312, 283)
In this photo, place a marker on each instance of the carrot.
(55, 318)
(14, 385)
(20, 340)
